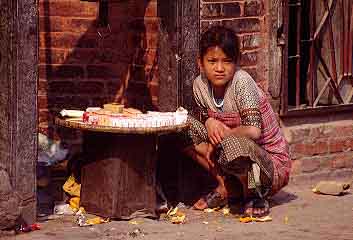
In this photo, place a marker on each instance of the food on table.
(114, 107)
(71, 113)
(130, 117)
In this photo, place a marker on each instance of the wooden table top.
(77, 123)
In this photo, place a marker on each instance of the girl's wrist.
(209, 120)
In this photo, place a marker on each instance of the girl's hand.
(216, 131)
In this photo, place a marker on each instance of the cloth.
(244, 104)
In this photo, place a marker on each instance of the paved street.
(297, 214)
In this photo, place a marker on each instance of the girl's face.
(218, 68)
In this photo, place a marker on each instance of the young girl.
(238, 134)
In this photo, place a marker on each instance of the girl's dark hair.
(221, 37)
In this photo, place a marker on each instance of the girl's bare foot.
(201, 204)
(257, 208)
(217, 198)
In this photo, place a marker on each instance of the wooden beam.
(284, 86)
(318, 110)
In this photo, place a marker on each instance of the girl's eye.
(211, 60)
(228, 60)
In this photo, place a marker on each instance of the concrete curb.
(345, 174)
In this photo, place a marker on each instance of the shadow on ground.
(282, 197)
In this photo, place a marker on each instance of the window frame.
(285, 111)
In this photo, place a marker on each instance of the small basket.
(79, 124)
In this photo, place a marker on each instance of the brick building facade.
(83, 62)
(142, 53)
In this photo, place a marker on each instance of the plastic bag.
(50, 152)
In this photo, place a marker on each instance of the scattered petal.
(264, 219)
(172, 211)
(174, 215)
(178, 219)
(255, 219)
(82, 221)
(208, 210)
(246, 219)
(97, 220)
(134, 222)
(226, 211)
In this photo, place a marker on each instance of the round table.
(118, 177)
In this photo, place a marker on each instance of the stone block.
(249, 58)
(61, 72)
(68, 8)
(243, 25)
(250, 41)
(254, 8)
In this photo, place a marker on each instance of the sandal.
(213, 200)
(257, 204)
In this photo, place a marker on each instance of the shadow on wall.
(108, 54)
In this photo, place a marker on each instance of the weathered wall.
(18, 109)
(85, 64)
(323, 145)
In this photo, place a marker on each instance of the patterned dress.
(244, 104)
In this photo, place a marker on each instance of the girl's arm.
(251, 132)
(217, 131)
(248, 103)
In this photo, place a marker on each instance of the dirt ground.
(297, 214)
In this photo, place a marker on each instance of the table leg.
(119, 175)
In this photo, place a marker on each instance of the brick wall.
(85, 64)
(321, 146)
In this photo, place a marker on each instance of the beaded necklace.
(218, 102)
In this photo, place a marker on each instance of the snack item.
(131, 111)
(133, 118)
(71, 113)
(114, 107)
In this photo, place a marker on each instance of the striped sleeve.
(248, 100)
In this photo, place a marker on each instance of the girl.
(238, 134)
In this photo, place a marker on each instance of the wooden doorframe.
(177, 52)
(18, 108)
(189, 25)
(177, 67)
